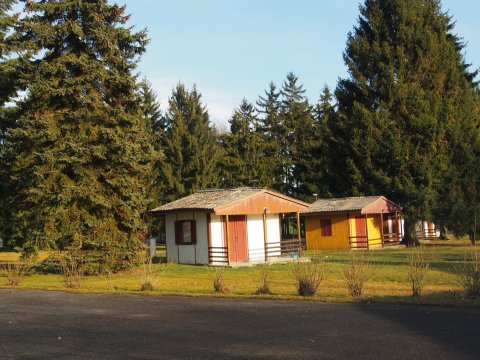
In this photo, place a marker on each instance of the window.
(185, 232)
(326, 227)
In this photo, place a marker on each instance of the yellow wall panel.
(339, 238)
(374, 231)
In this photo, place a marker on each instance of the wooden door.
(237, 238)
(361, 231)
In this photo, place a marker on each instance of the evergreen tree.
(190, 146)
(297, 139)
(8, 89)
(80, 155)
(270, 132)
(401, 103)
(323, 165)
(155, 124)
(460, 209)
(242, 161)
(150, 108)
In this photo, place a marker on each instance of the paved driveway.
(56, 325)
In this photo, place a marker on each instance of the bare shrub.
(71, 268)
(358, 271)
(418, 262)
(218, 280)
(468, 273)
(265, 279)
(15, 271)
(149, 274)
(309, 275)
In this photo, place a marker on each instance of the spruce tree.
(9, 85)
(401, 103)
(296, 140)
(242, 163)
(323, 167)
(270, 133)
(154, 122)
(150, 108)
(191, 150)
(80, 155)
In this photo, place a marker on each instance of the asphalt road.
(56, 325)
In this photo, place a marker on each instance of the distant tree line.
(86, 150)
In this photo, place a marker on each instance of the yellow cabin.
(365, 222)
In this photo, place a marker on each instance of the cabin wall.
(256, 243)
(374, 231)
(273, 233)
(187, 254)
(217, 239)
(339, 238)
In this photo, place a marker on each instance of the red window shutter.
(178, 232)
(326, 227)
(193, 229)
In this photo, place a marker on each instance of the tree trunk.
(409, 238)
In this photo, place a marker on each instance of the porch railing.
(218, 254)
(284, 247)
(430, 234)
(392, 239)
(358, 242)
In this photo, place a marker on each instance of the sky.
(232, 49)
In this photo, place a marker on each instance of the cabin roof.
(244, 200)
(363, 204)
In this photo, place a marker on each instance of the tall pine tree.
(323, 167)
(80, 154)
(270, 133)
(401, 103)
(243, 163)
(191, 150)
(9, 86)
(297, 139)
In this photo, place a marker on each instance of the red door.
(361, 231)
(237, 238)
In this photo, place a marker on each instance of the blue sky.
(233, 48)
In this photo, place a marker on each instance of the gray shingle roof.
(341, 204)
(208, 199)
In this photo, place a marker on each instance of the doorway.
(237, 238)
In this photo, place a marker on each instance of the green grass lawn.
(388, 284)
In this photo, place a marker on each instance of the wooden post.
(381, 228)
(209, 237)
(349, 231)
(299, 235)
(399, 227)
(227, 240)
(366, 230)
(475, 226)
(265, 233)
